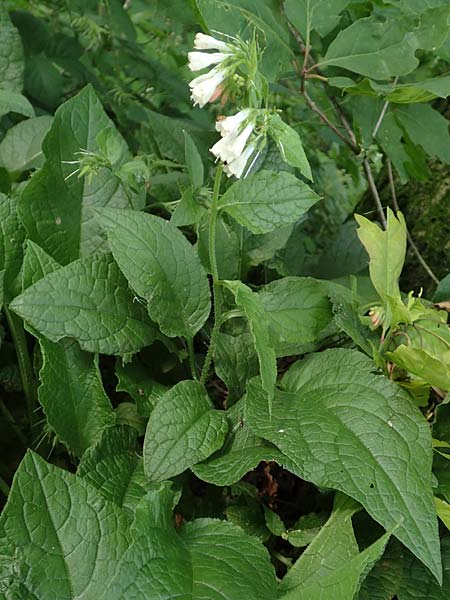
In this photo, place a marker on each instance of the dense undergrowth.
(211, 382)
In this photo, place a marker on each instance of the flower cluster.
(207, 87)
(233, 148)
(240, 144)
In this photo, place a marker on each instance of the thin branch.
(313, 106)
(411, 242)
(374, 191)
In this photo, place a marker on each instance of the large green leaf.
(426, 127)
(72, 395)
(88, 300)
(11, 54)
(342, 427)
(55, 206)
(66, 538)
(298, 310)
(115, 468)
(14, 102)
(235, 362)
(20, 149)
(227, 563)
(183, 430)
(268, 200)
(257, 318)
(162, 267)
(382, 50)
(321, 15)
(12, 238)
(242, 17)
(331, 566)
(241, 452)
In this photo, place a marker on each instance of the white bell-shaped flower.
(230, 125)
(204, 87)
(237, 166)
(207, 42)
(201, 60)
(231, 146)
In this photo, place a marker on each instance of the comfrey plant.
(236, 76)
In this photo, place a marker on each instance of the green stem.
(217, 300)
(4, 487)
(10, 419)
(190, 345)
(26, 371)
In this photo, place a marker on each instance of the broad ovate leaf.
(183, 429)
(88, 300)
(343, 427)
(268, 200)
(162, 267)
(66, 539)
(56, 204)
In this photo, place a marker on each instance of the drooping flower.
(201, 60)
(232, 144)
(237, 166)
(231, 124)
(204, 87)
(207, 42)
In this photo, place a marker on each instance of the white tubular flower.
(237, 166)
(231, 124)
(201, 60)
(207, 42)
(231, 146)
(204, 87)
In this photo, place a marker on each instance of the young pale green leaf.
(236, 16)
(20, 149)
(235, 362)
(90, 301)
(162, 267)
(435, 370)
(290, 145)
(72, 395)
(268, 200)
(227, 563)
(12, 239)
(443, 511)
(317, 15)
(342, 427)
(257, 318)
(14, 102)
(298, 310)
(11, 54)
(67, 538)
(382, 50)
(193, 161)
(241, 452)
(427, 128)
(114, 467)
(55, 206)
(387, 251)
(183, 430)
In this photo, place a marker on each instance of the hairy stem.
(217, 300)
(26, 371)
(190, 345)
